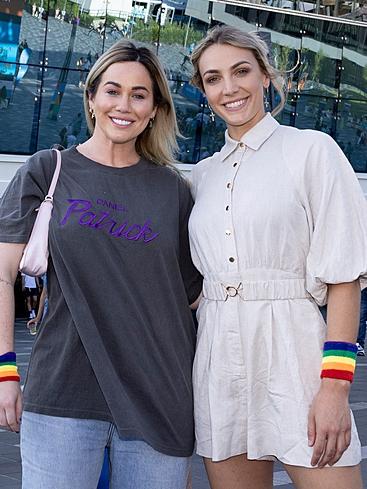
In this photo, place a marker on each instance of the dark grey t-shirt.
(118, 341)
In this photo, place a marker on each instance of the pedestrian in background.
(278, 228)
(33, 323)
(111, 365)
(30, 287)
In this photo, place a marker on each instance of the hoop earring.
(211, 114)
(266, 100)
(151, 122)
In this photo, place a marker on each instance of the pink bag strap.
(55, 177)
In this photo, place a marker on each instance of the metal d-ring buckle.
(48, 198)
(232, 290)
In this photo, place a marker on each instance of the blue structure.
(328, 91)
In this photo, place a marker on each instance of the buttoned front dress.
(277, 216)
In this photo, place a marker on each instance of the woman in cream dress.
(278, 228)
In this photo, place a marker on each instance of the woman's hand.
(195, 304)
(329, 422)
(10, 405)
(33, 322)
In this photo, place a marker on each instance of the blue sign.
(9, 39)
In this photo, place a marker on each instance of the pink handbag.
(35, 255)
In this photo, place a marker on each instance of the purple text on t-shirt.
(102, 220)
(111, 205)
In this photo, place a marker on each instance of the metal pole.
(187, 31)
(146, 18)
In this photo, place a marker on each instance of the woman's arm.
(329, 423)
(10, 393)
(195, 304)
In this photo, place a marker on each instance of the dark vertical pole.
(198, 131)
(295, 98)
(105, 27)
(337, 100)
(159, 28)
(59, 91)
(33, 144)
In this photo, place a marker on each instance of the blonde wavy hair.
(157, 143)
(224, 34)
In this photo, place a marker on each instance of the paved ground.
(10, 468)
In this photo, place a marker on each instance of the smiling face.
(123, 103)
(234, 86)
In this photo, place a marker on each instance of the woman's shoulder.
(302, 139)
(169, 175)
(201, 166)
(39, 158)
(208, 160)
(310, 150)
(199, 171)
(312, 153)
(40, 165)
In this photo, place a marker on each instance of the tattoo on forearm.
(6, 282)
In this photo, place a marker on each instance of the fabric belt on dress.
(223, 290)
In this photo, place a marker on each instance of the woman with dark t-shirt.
(111, 364)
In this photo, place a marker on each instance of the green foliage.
(282, 56)
(145, 32)
(86, 19)
(171, 33)
(317, 65)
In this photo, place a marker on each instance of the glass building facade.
(48, 46)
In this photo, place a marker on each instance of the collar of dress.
(254, 138)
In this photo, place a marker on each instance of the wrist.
(336, 384)
(339, 361)
(8, 367)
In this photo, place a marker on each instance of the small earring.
(211, 114)
(92, 114)
(151, 122)
(266, 100)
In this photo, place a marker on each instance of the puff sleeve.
(337, 215)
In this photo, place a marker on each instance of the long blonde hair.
(156, 143)
(232, 36)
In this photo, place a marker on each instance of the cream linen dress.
(277, 216)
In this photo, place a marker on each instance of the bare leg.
(29, 305)
(326, 478)
(34, 302)
(239, 473)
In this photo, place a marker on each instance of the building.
(48, 46)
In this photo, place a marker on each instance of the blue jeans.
(362, 319)
(68, 453)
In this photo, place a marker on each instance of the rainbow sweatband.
(339, 360)
(8, 367)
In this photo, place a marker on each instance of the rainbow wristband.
(339, 360)
(8, 367)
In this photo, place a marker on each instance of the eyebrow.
(232, 67)
(115, 84)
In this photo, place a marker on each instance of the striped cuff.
(339, 360)
(8, 367)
